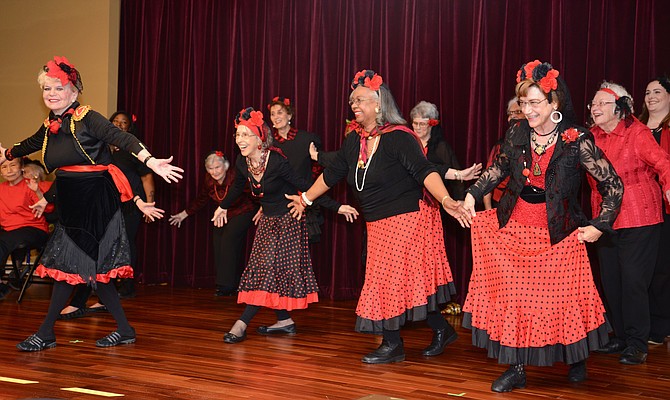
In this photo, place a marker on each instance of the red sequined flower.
(570, 135)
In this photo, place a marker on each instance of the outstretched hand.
(220, 217)
(350, 213)
(471, 173)
(167, 171)
(295, 207)
(178, 218)
(150, 210)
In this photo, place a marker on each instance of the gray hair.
(388, 109)
(213, 157)
(424, 110)
(620, 91)
(511, 101)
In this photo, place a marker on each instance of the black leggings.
(60, 295)
(251, 311)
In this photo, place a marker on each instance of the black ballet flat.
(78, 313)
(284, 330)
(232, 338)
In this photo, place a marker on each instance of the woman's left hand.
(349, 212)
(38, 208)
(150, 210)
(456, 210)
(167, 171)
(588, 233)
(471, 173)
(296, 208)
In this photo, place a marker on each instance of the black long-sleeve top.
(562, 180)
(278, 179)
(443, 156)
(87, 145)
(393, 183)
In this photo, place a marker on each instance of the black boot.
(513, 378)
(577, 372)
(441, 338)
(386, 353)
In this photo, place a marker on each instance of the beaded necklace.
(260, 168)
(365, 166)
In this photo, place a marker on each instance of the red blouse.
(637, 158)
(212, 190)
(15, 202)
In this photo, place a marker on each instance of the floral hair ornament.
(433, 122)
(570, 135)
(253, 120)
(367, 78)
(279, 100)
(60, 68)
(540, 73)
(133, 117)
(219, 154)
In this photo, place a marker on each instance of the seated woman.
(19, 225)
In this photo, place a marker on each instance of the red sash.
(118, 176)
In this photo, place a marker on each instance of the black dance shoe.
(614, 346)
(577, 372)
(385, 354)
(632, 356)
(510, 379)
(78, 313)
(36, 343)
(284, 330)
(115, 339)
(232, 338)
(441, 338)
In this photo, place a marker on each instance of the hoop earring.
(558, 119)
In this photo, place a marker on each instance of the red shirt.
(637, 158)
(212, 190)
(14, 206)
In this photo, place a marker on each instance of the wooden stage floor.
(180, 354)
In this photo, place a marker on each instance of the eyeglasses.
(601, 104)
(242, 135)
(420, 124)
(357, 101)
(514, 112)
(531, 103)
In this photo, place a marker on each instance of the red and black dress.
(279, 274)
(532, 299)
(407, 273)
(89, 243)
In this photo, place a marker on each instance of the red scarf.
(290, 136)
(56, 122)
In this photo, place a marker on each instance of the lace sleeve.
(608, 183)
(494, 174)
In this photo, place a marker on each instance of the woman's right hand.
(313, 152)
(350, 213)
(39, 207)
(178, 218)
(163, 168)
(220, 217)
(469, 205)
(471, 173)
(258, 216)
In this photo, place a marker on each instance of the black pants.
(627, 262)
(229, 250)
(10, 240)
(659, 292)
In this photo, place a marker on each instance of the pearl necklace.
(367, 165)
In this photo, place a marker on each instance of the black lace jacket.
(562, 180)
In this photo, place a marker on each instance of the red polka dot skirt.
(528, 301)
(279, 274)
(407, 273)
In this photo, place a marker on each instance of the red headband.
(367, 78)
(610, 91)
(279, 100)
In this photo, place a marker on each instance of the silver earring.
(557, 119)
(377, 110)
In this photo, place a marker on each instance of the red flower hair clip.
(133, 117)
(60, 68)
(367, 78)
(540, 73)
(570, 135)
(433, 122)
(279, 100)
(219, 154)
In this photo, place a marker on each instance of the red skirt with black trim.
(407, 273)
(279, 274)
(89, 243)
(530, 302)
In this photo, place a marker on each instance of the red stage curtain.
(186, 67)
